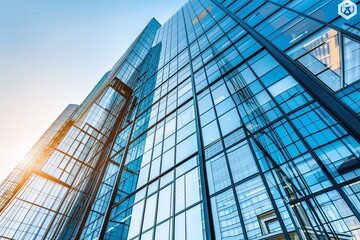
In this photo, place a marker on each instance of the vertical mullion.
(208, 218)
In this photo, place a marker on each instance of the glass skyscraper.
(10, 185)
(233, 120)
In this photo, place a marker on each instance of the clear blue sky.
(52, 52)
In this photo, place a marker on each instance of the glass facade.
(10, 184)
(233, 120)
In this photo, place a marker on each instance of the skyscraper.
(37, 153)
(233, 120)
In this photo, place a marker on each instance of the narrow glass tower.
(233, 120)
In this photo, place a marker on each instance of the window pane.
(148, 235)
(186, 148)
(163, 231)
(136, 218)
(210, 133)
(155, 168)
(225, 216)
(194, 226)
(180, 227)
(205, 104)
(220, 94)
(192, 185)
(165, 204)
(185, 131)
(264, 65)
(229, 121)
(207, 117)
(185, 117)
(254, 202)
(180, 194)
(143, 175)
(170, 127)
(352, 61)
(149, 212)
(167, 160)
(218, 174)
(282, 85)
(242, 162)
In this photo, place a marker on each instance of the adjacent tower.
(233, 120)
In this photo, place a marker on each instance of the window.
(220, 94)
(210, 133)
(253, 201)
(225, 216)
(241, 161)
(170, 127)
(282, 86)
(205, 104)
(194, 224)
(192, 186)
(185, 117)
(186, 148)
(229, 121)
(149, 215)
(225, 106)
(180, 227)
(165, 204)
(247, 46)
(218, 174)
(143, 175)
(207, 117)
(155, 168)
(352, 61)
(185, 131)
(168, 160)
(136, 218)
(148, 235)
(163, 231)
(264, 64)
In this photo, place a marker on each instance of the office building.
(232, 120)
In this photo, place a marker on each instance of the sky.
(53, 53)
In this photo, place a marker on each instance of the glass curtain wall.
(243, 123)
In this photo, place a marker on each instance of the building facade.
(233, 120)
(9, 185)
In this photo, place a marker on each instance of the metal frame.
(336, 108)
